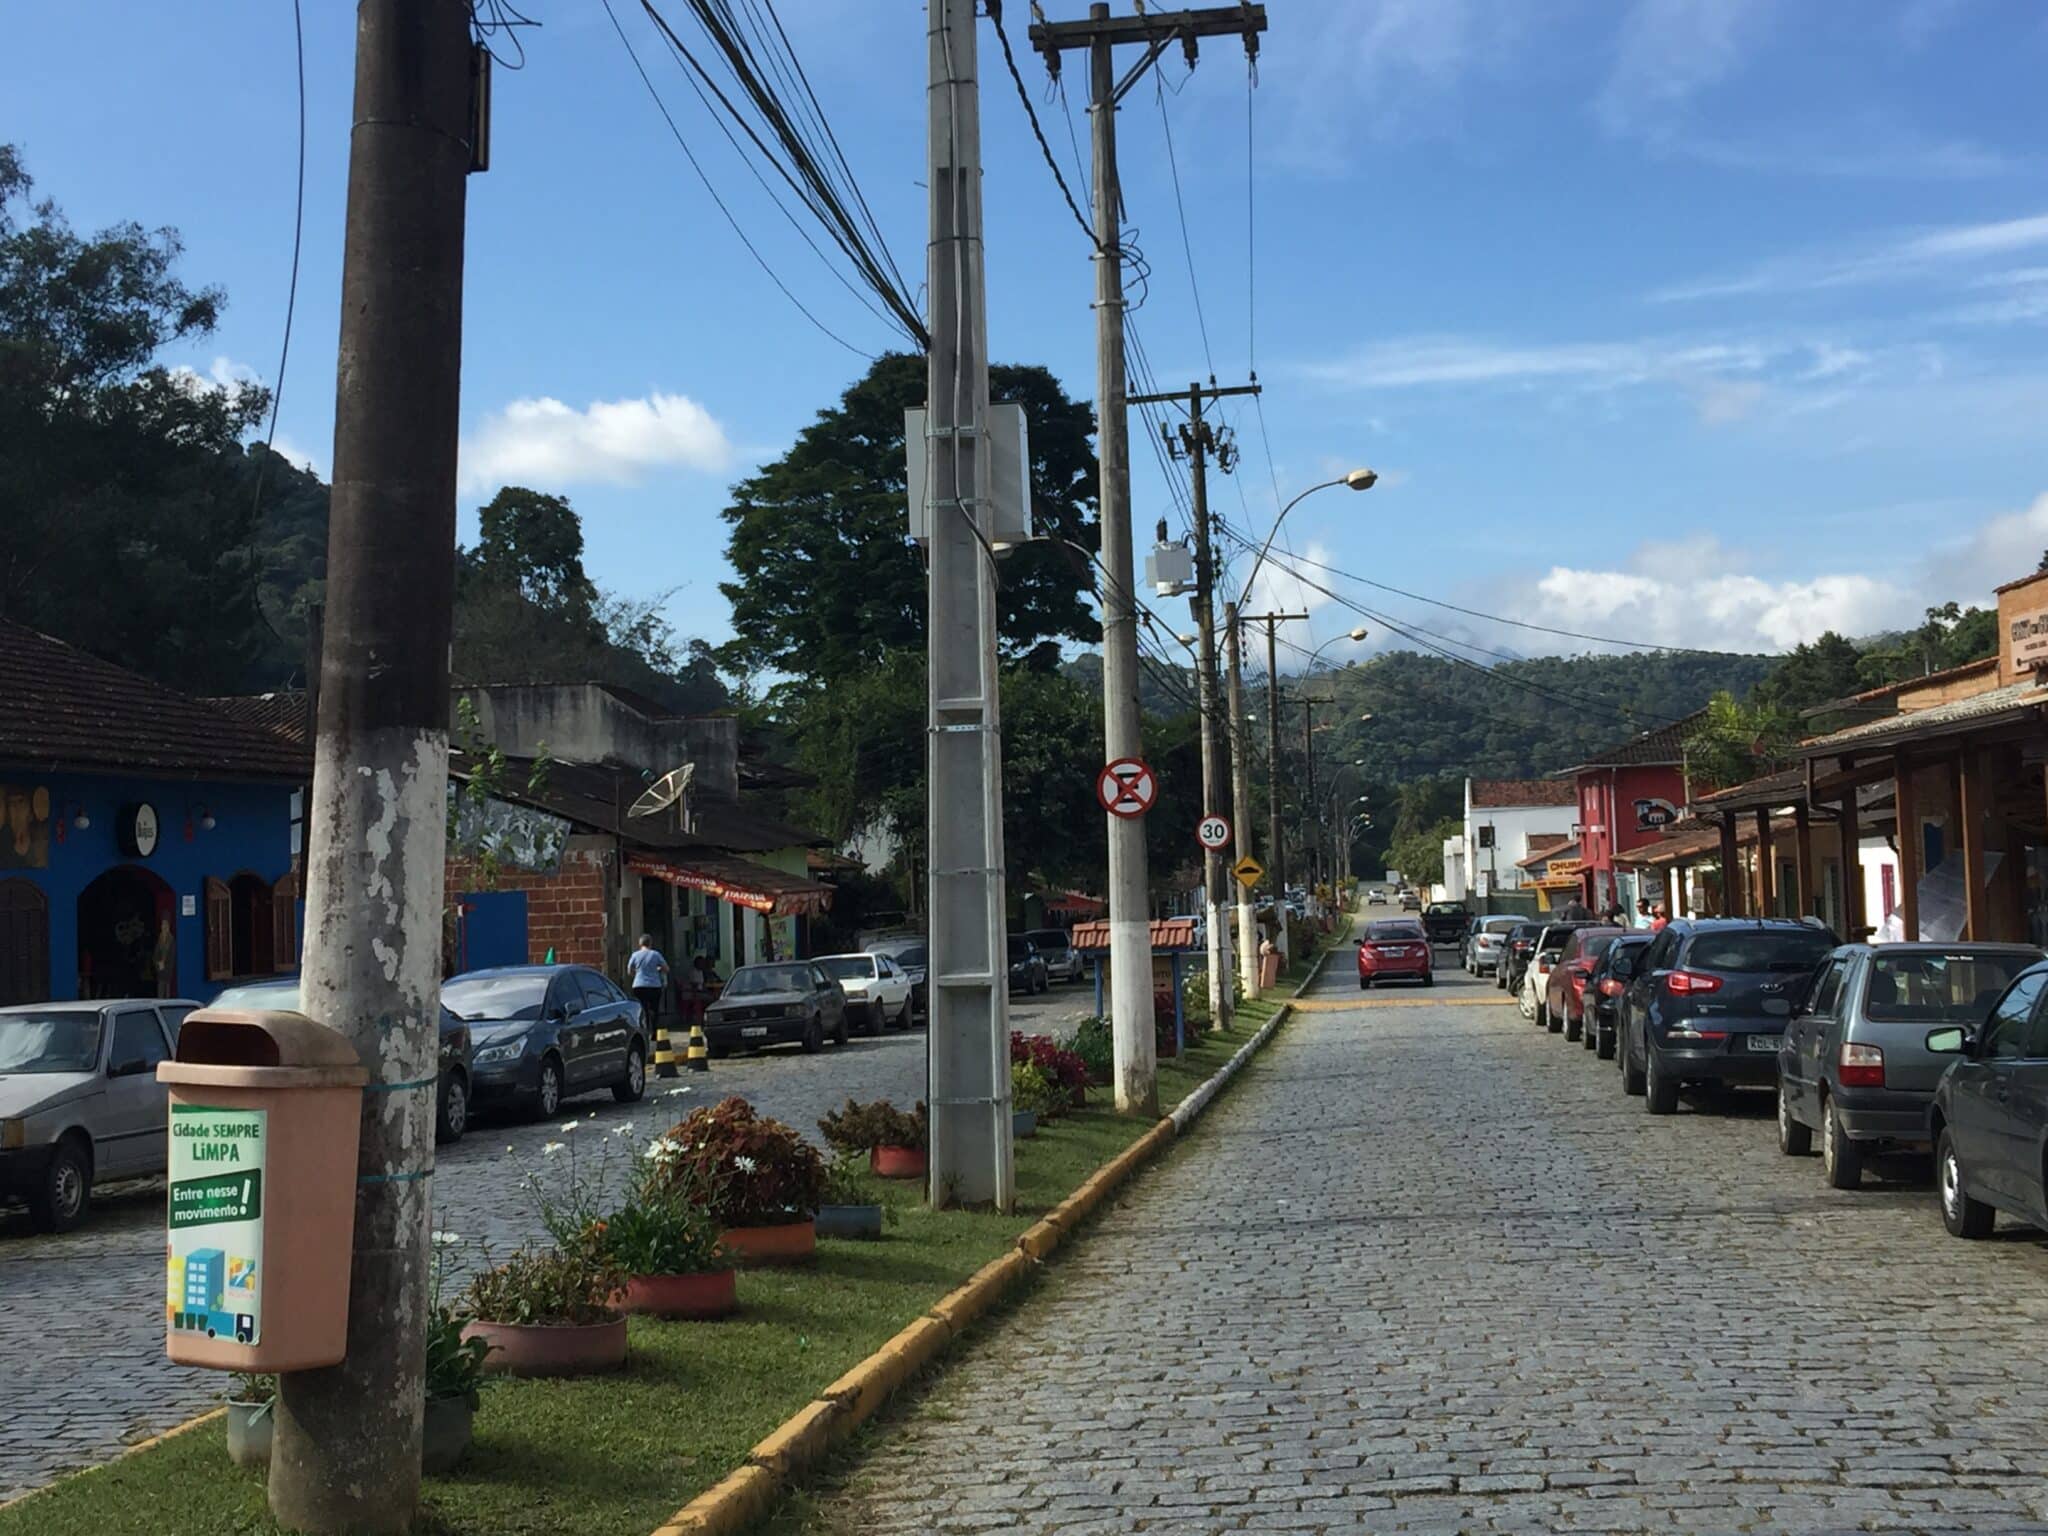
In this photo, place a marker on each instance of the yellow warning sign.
(1248, 871)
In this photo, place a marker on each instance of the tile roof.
(283, 711)
(2014, 702)
(1770, 789)
(1506, 792)
(1168, 933)
(1546, 845)
(739, 881)
(1665, 744)
(63, 708)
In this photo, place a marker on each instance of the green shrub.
(1092, 1044)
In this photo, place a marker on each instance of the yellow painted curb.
(735, 1502)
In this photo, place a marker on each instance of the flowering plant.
(1093, 1045)
(1029, 1090)
(863, 1127)
(747, 1170)
(544, 1285)
(1063, 1068)
(667, 1228)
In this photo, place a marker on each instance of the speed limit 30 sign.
(1213, 832)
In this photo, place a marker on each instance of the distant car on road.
(780, 1002)
(452, 1064)
(1446, 921)
(1611, 975)
(1410, 902)
(1484, 944)
(1564, 993)
(1062, 961)
(79, 1100)
(877, 990)
(1853, 1063)
(1394, 949)
(1376, 897)
(1989, 1119)
(1710, 1000)
(1027, 966)
(544, 1033)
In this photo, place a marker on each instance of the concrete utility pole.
(1130, 945)
(1197, 441)
(1277, 852)
(1241, 803)
(346, 1454)
(1310, 811)
(969, 1028)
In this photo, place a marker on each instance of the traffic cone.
(700, 1053)
(664, 1053)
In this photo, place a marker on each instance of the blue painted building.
(147, 839)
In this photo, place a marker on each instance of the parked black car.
(451, 1112)
(545, 1033)
(1855, 1066)
(1612, 973)
(1516, 954)
(1027, 966)
(1989, 1119)
(774, 1004)
(1709, 1001)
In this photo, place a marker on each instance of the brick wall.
(565, 912)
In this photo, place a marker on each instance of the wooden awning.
(739, 881)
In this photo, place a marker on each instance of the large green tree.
(826, 585)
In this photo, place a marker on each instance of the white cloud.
(1869, 154)
(1276, 590)
(2000, 550)
(287, 448)
(1902, 256)
(224, 373)
(1669, 51)
(542, 442)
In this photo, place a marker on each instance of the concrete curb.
(747, 1494)
(196, 1421)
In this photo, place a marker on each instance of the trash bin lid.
(261, 1048)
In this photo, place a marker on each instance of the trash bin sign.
(265, 1122)
(216, 1225)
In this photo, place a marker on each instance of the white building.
(1456, 883)
(1500, 817)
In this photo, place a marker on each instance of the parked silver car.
(79, 1100)
(1854, 1063)
(1483, 945)
(1062, 961)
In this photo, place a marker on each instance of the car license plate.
(754, 1032)
(1765, 1042)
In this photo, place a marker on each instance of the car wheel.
(1552, 1020)
(841, 1034)
(60, 1202)
(814, 1035)
(1633, 1079)
(1795, 1137)
(1603, 1048)
(452, 1118)
(1364, 984)
(635, 1084)
(1962, 1216)
(1429, 978)
(1660, 1093)
(1572, 1029)
(547, 1098)
(1840, 1158)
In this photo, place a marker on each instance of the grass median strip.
(618, 1454)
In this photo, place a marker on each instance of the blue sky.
(1709, 322)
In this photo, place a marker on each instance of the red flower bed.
(1061, 1067)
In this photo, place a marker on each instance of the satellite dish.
(664, 791)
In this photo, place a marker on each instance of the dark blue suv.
(1709, 1001)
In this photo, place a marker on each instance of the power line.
(1187, 245)
(995, 14)
(719, 202)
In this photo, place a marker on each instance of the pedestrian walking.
(647, 975)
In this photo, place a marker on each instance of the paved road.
(81, 1332)
(1426, 1269)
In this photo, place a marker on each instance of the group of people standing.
(648, 977)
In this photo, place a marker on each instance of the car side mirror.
(556, 1015)
(1953, 1041)
(134, 1066)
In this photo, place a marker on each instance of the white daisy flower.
(745, 1164)
(571, 1125)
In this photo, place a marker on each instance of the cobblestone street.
(1425, 1268)
(81, 1322)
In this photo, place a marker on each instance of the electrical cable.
(719, 202)
(1187, 245)
(995, 14)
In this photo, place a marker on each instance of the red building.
(1628, 796)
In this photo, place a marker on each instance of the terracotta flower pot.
(852, 1221)
(790, 1242)
(709, 1294)
(898, 1162)
(552, 1349)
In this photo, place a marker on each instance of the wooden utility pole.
(1276, 850)
(1241, 802)
(346, 1452)
(1130, 943)
(1198, 441)
(968, 1030)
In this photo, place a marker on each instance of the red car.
(1564, 992)
(1394, 950)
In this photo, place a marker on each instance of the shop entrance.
(127, 922)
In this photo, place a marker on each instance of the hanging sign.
(215, 1207)
(1653, 814)
(1126, 788)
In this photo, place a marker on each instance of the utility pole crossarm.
(1212, 392)
(1157, 27)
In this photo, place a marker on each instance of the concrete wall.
(1512, 827)
(581, 722)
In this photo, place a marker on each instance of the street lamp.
(1353, 635)
(1357, 479)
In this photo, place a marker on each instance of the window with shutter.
(284, 926)
(24, 943)
(220, 930)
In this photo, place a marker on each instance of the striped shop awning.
(739, 881)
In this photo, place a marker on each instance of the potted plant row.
(1032, 1099)
(666, 1243)
(760, 1180)
(849, 1209)
(896, 1143)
